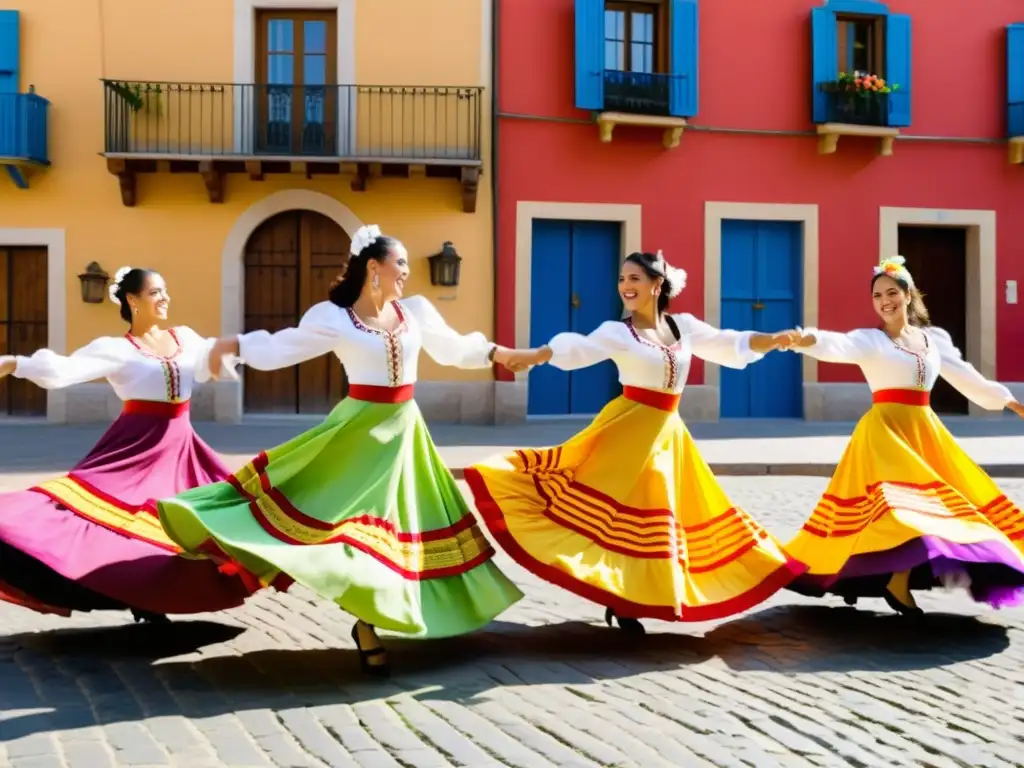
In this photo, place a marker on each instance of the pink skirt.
(87, 541)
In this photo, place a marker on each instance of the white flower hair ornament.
(675, 276)
(115, 285)
(364, 236)
(895, 267)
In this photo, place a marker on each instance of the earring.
(376, 282)
(135, 310)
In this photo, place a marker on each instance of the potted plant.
(861, 98)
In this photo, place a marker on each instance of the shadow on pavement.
(77, 678)
(811, 638)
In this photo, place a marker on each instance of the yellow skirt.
(628, 514)
(905, 496)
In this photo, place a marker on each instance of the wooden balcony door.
(290, 261)
(23, 327)
(296, 92)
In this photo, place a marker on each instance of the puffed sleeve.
(720, 346)
(444, 344)
(96, 360)
(832, 347)
(318, 332)
(990, 395)
(570, 351)
(199, 347)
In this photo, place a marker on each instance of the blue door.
(761, 291)
(574, 274)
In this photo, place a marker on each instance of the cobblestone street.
(795, 682)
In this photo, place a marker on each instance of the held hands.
(793, 338)
(7, 365)
(516, 360)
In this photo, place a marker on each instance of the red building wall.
(755, 60)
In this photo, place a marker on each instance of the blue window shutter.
(1015, 80)
(683, 44)
(824, 59)
(9, 51)
(898, 70)
(590, 54)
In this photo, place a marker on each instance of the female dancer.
(627, 513)
(360, 509)
(906, 508)
(83, 541)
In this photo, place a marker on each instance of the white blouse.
(647, 364)
(133, 371)
(888, 365)
(371, 356)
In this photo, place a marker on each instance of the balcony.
(855, 114)
(23, 135)
(359, 130)
(640, 98)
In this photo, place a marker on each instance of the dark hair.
(654, 267)
(133, 282)
(917, 312)
(346, 287)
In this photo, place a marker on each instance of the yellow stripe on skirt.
(629, 515)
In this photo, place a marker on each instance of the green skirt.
(362, 511)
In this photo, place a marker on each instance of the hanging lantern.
(94, 284)
(444, 266)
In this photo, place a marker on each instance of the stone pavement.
(731, 447)
(794, 682)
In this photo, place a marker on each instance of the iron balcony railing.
(23, 127)
(638, 93)
(353, 122)
(856, 108)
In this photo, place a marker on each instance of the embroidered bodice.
(888, 365)
(371, 356)
(645, 363)
(135, 372)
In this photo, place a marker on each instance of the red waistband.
(663, 401)
(902, 396)
(373, 394)
(155, 408)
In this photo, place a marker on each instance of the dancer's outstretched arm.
(733, 349)
(96, 360)
(318, 332)
(990, 395)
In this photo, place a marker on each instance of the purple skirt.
(88, 540)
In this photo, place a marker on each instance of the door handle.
(758, 305)
(575, 301)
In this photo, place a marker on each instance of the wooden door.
(290, 261)
(23, 328)
(762, 275)
(296, 82)
(937, 259)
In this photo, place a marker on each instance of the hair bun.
(115, 285)
(676, 276)
(363, 238)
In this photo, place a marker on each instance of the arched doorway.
(290, 261)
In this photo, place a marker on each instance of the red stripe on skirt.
(663, 401)
(373, 394)
(155, 408)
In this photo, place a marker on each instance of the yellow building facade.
(234, 146)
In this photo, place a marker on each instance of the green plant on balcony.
(140, 97)
(861, 84)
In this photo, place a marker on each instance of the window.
(860, 45)
(296, 82)
(637, 57)
(630, 37)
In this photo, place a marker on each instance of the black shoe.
(147, 617)
(377, 670)
(901, 608)
(850, 599)
(629, 626)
